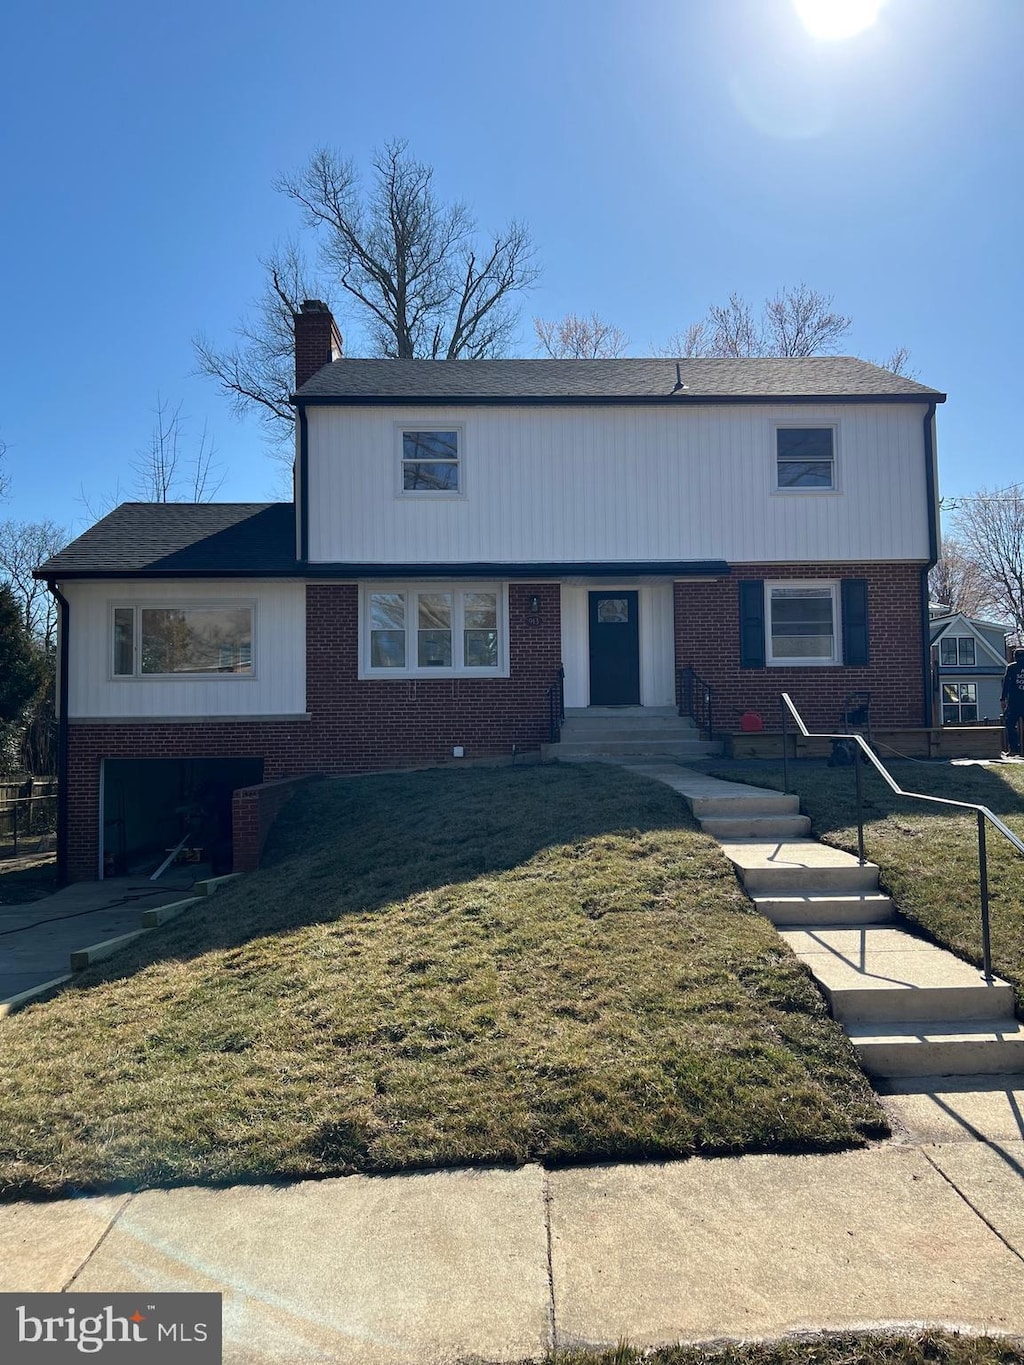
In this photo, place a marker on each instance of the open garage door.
(151, 804)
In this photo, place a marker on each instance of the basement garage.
(151, 806)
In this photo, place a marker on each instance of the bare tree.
(24, 545)
(165, 469)
(990, 526)
(957, 582)
(258, 374)
(418, 280)
(165, 472)
(899, 363)
(5, 480)
(574, 337)
(797, 321)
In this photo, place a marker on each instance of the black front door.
(614, 649)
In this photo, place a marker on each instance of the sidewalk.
(501, 1264)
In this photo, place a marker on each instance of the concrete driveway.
(37, 938)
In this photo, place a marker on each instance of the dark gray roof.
(431, 381)
(180, 539)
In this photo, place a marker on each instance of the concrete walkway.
(500, 1265)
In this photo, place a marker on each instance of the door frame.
(634, 594)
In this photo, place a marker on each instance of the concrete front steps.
(628, 732)
(909, 1008)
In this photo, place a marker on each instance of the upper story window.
(805, 458)
(802, 623)
(433, 629)
(957, 651)
(199, 641)
(431, 460)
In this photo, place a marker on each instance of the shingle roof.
(181, 539)
(431, 381)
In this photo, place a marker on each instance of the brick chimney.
(317, 340)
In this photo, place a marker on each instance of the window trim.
(959, 703)
(411, 591)
(807, 424)
(176, 604)
(833, 587)
(429, 494)
(958, 640)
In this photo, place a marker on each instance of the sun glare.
(835, 19)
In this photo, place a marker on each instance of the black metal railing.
(862, 751)
(556, 706)
(694, 698)
(25, 819)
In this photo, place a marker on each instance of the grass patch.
(928, 857)
(841, 1348)
(439, 968)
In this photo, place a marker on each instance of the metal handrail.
(863, 750)
(556, 706)
(690, 685)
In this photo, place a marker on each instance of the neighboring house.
(968, 662)
(462, 529)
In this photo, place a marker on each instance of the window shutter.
(855, 621)
(752, 624)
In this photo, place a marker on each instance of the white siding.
(657, 664)
(278, 684)
(618, 483)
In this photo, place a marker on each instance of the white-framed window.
(805, 457)
(430, 461)
(958, 651)
(802, 623)
(959, 703)
(434, 630)
(201, 640)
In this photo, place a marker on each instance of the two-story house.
(968, 662)
(462, 530)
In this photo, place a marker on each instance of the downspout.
(63, 630)
(303, 483)
(931, 493)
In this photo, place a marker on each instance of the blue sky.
(662, 154)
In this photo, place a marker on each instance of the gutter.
(932, 498)
(63, 632)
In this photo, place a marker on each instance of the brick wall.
(373, 723)
(707, 639)
(355, 725)
(253, 812)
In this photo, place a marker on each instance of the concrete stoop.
(629, 732)
(910, 1008)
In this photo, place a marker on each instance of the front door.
(614, 649)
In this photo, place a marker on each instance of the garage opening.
(150, 805)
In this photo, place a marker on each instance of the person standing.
(1013, 701)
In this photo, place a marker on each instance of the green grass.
(860, 1348)
(928, 856)
(484, 966)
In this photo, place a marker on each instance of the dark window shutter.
(855, 621)
(752, 624)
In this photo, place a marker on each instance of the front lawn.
(438, 968)
(928, 855)
(840, 1348)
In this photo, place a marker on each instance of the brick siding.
(707, 639)
(355, 725)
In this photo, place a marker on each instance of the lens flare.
(837, 19)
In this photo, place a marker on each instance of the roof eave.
(601, 400)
